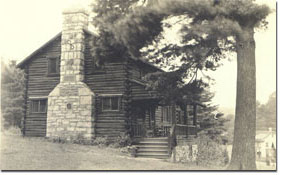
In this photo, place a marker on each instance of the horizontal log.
(110, 126)
(109, 130)
(35, 134)
(36, 117)
(101, 121)
(35, 131)
(34, 127)
(36, 123)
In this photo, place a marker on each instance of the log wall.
(40, 84)
(109, 79)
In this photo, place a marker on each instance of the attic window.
(53, 65)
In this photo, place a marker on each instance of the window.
(110, 103)
(167, 113)
(53, 65)
(38, 106)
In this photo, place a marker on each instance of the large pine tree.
(216, 27)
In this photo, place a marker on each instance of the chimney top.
(72, 10)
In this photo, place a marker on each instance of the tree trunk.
(243, 153)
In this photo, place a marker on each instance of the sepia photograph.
(139, 85)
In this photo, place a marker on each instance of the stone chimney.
(72, 45)
(71, 104)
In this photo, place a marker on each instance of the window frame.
(110, 96)
(57, 65)
(38, 100)
(167, 114)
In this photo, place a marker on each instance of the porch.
(156, 129)
(150, 119)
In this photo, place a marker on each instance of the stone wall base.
(70, 113)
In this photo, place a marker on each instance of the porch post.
(194, 114)
(185, 115)
(174, 114)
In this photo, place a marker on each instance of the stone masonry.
(71, 104)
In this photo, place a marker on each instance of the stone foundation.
(185, 151)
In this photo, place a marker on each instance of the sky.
(28, 24)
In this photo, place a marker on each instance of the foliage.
(211, 126)
(124, 150)
(12, 94)
(79, 139)
(210, 153)
(101, 141)
(171, 87)
(229, 125)
(59, 140)
(222, 19)
(266, 114)
(104, 46)
(12, 131)
(123, 140)
(216, 28)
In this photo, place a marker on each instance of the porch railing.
(165, 129)
(138, 130)
(185, 130)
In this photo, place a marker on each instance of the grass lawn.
(18, 153)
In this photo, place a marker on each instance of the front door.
(138, 126)
(150, 121)
(143, 120)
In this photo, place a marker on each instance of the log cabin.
(68, 97)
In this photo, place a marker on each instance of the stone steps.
(156, 147)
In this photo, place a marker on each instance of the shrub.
(58, 140)
(101, 141)
(132, 150)
(123, 140)
(124, 150)
(12, 131)
(114, 145)
(120, 142)
(79, 139)
(210, 153)
(226, 157)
